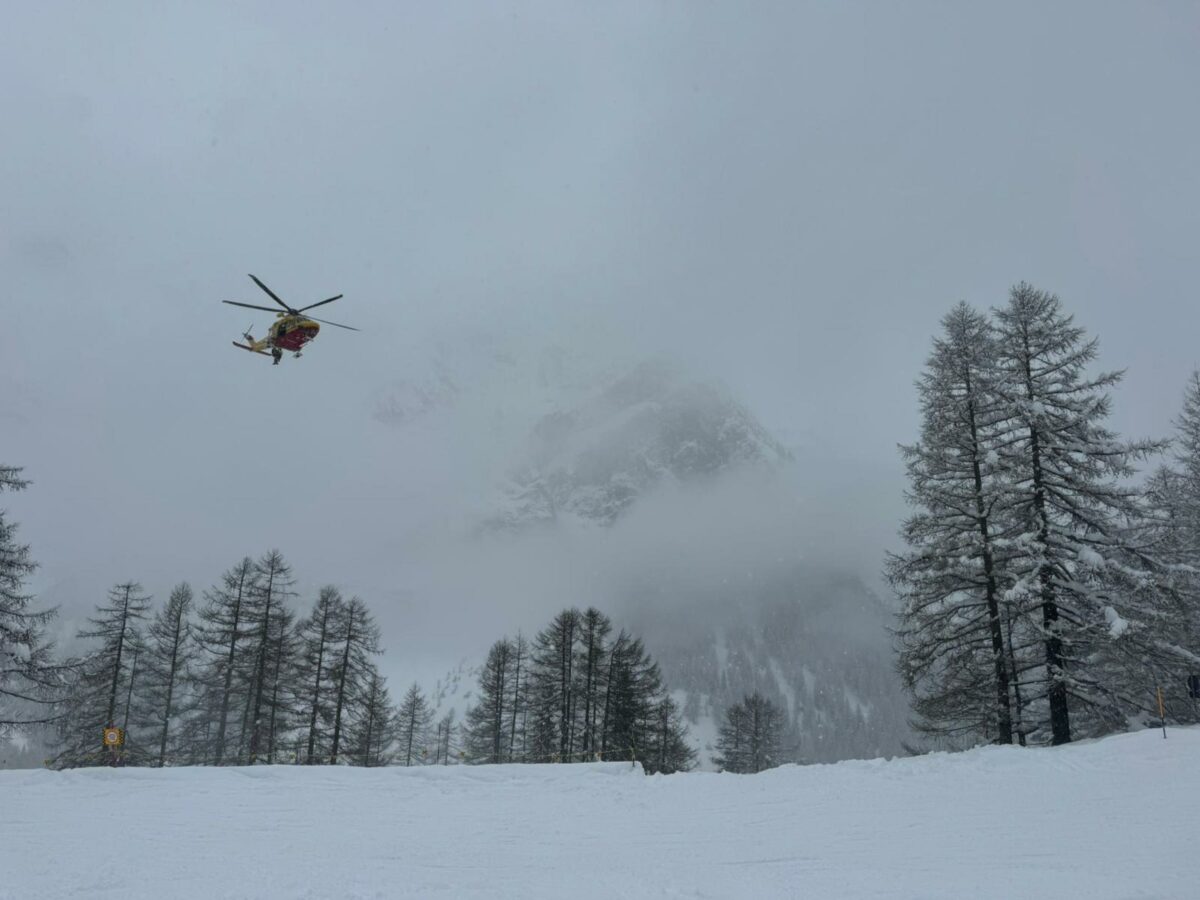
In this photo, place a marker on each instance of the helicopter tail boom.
(251, 349)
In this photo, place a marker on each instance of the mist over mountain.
(662, 500)
(647, 427)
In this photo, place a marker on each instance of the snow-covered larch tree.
(168, 659)
(316, 668)
(487, 728)
(748, 741)
(412, 727)
(225, 634)
(271, 590)
(357, 638)
(373, 735)
(101, 690)
(950, 580)
(1084, 578)
(1174, 495)
(669, 750)
(29, 678)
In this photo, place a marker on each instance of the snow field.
(1115, 818)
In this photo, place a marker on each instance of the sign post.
(114, 739)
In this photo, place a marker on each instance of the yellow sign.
(113, 737)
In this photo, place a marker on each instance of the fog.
(780, 199)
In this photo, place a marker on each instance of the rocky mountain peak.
(593, 460)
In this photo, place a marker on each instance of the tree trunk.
(261, 670)
(370, 725)
(589, 682)
(566, 656)
(112, 697)
(312, 720)
(612, 657)
(1060, 720)
(162, 746)
(498, 724)
(275, 695)
(512, 737)
(129, 693)
(1003, 711)
(412, 730)
(341, 696)
(228, 688)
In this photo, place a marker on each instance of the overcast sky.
(784, 198)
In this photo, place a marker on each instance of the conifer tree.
(951, 579)
(138, 739)
(446, 740)
(669, 750)
(358, 640)
(29, 677)
(541, 743)
(1174, 495)
(169, 656)
(98, 694)
(554, 653)
(375, 732)
(594, 628)
(283, 701)
(748, 741)
(1187, 459)
(225, 634)
(518, 709)
(487, 726)
(633, 688)
(412, 726)
(271, 589)
(316, 670)
(1082, 574)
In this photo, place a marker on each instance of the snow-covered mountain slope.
(1106, 819)
(454, 693)
(814, 643)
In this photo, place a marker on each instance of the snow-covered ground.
(1109, 819)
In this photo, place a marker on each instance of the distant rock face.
(814, 643)
(404, 400)
(592, 462)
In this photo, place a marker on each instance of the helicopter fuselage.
(291, 333)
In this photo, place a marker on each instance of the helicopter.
(290, 331)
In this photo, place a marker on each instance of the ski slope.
(1116, 818)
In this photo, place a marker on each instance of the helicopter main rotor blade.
(272, 294)
(322, 303)
(327, 322)
(252, 306)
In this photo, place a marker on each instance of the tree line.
(575, 693)
(237, 678)
(749, 740)
(1047, 594)
(234, 678)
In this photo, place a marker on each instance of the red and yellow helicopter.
(290, 331)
